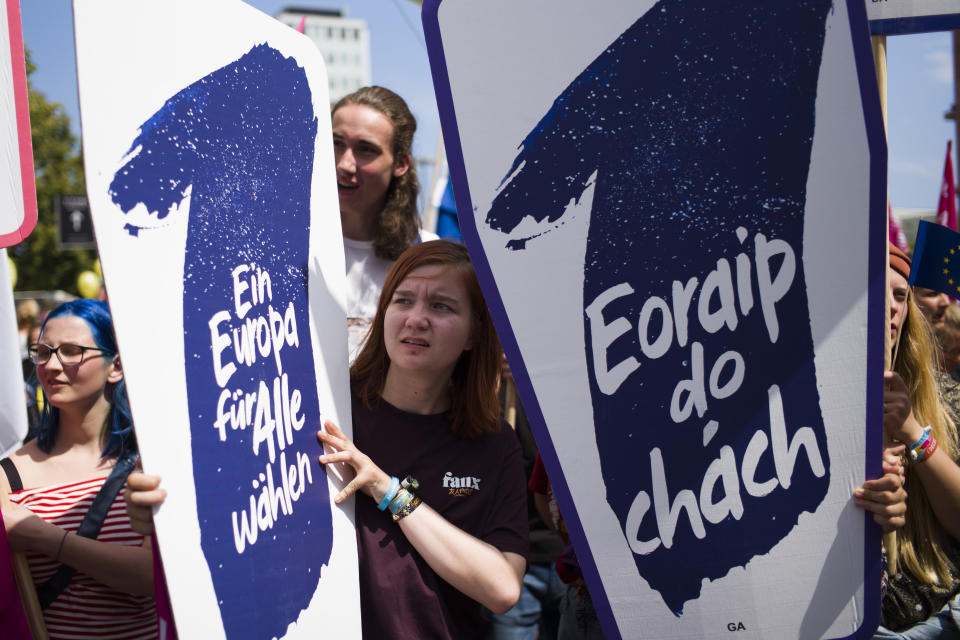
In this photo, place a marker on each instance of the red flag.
(302, 25)
(13, 620)
(947, 207)
(897, 236)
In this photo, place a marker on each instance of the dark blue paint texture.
(697, 120)
(243, 137)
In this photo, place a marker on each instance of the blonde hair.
(922, 543)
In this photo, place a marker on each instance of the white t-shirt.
(365, 275)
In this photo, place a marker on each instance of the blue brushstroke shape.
(243, 138)
(697, 120)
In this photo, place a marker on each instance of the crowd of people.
(427, 368)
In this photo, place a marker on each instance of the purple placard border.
(915, 24)
(876, 300)
(876, 270)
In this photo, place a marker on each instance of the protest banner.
(898, 17)
(18, 195)
(209, 168)
(13, 405)
(676, 210)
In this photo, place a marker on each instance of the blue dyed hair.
(119, 424)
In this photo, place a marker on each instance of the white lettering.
(682, 296)
(784, 454)
(219, 342)
(719, 283)
(639, 508)
(723, 471)
(772, 290)
(273, 501)
(668, 514)
(602, 336)
(239, 286)
(693, 387)
(662, 344)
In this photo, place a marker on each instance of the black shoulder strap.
(90, 527)
(13, 476)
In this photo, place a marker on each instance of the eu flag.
(936, 259)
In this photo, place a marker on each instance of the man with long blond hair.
(377, 188)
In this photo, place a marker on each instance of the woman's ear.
(401, 165)
(115, 374)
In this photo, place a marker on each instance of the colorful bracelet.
(931, 448)
(922, 448)
(390, 494)
(407, 509)
(405, 501)
(405, 485)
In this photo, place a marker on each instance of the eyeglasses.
(69, 355)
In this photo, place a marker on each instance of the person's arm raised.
(477, 569)
(939, 474)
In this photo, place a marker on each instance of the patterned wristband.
(403, 499)
(407, 509)
(927, 451)
(916, 451)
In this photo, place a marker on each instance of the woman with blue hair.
(94, 574)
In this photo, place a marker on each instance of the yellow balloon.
(96, 268)
(88, 284)
(12, 266)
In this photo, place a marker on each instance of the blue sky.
(920, 91)
(920, 83)
(398, 52)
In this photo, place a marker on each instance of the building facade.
(344, 43)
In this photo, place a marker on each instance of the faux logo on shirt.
(460, 486)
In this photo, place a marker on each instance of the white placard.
(672, 207)
(209, 167)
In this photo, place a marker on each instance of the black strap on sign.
(90, 527)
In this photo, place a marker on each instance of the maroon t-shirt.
(478, 485)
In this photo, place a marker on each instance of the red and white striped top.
(86, 608)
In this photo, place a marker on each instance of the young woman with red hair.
(453, 535)
(425, 406)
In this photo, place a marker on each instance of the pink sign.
(18, 196)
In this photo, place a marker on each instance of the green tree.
(58, 167)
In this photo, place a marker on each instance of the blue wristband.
(923, 438)
(917, 452)
(390, 494)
